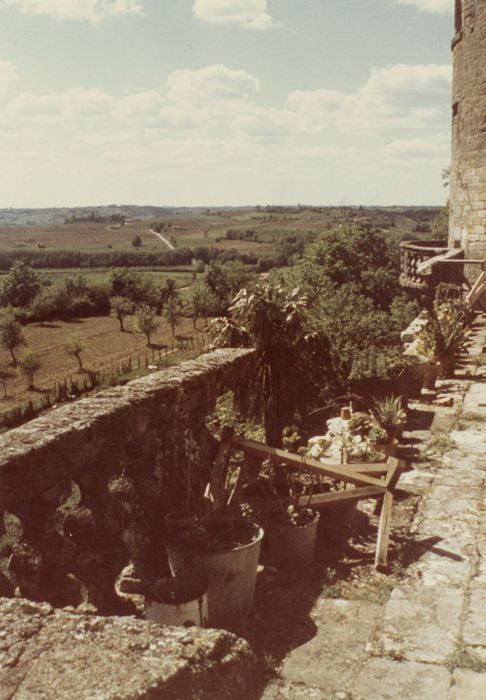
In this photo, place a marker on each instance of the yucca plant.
(291, 359)
(389, 415)
(445, 336)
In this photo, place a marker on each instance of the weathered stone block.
(60, 655)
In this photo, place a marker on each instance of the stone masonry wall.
(85, 487)
(468, 167)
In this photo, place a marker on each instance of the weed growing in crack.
(439, 443)
(464, 658)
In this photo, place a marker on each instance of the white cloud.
(77, 103)
(425, 148)
(440, 6)
(396, 97)
(89, 10)
(8, 75)
(212, 82)
(250, 14)
(206, 138)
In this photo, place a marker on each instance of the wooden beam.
(381, 556)
(477, 290)
(326, 500)
(215, 490)
(306, 464)
(371, 469)
(394, 469)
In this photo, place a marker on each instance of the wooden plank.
(249, 472)
(326, 500)
(477, 290)
(215, 491)
(371, 469)
(381, 556)
(395, 467)
(306, 464)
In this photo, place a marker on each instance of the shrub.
(29, 364)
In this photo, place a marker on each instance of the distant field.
(204, 229)
(106, 346)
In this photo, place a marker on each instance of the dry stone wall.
(468, 167)
(84, 488)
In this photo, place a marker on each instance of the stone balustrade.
(84, 488)
(418, 277)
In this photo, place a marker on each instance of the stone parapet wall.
(468, 167)
(85, 487)
(65, 655)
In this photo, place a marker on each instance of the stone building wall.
(84, 488)
(468, 166)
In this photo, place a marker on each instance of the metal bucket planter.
(431, 374)
(176, 601)
(410, 381)
(231, 576)
(178, 520)
(292, 546)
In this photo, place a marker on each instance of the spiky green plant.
(291, 358)
(445, 336)
(389, 414)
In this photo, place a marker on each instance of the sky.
(224, 102)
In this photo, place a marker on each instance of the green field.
(207, 229)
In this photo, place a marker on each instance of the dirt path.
(163, 239)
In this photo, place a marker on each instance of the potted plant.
(445, 336)
(390, 416)
(226, 550)
(292, 533)
(380, 445)
(177, 601)
(224, 546)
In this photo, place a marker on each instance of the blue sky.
(213, 102)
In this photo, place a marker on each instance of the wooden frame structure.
(377, 480)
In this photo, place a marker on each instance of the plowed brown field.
(105, 347)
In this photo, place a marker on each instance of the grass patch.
(370, 588)
(439, 443)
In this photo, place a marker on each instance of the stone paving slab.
(330, 659)
(435, 621)
(475, 623)
(384, 679)
(468, 685)
(293, 691)
(422, 623)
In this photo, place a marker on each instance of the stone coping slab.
(64, 655)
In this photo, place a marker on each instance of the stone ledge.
(64, 655)
(55, 445)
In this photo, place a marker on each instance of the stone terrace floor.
(421, 632)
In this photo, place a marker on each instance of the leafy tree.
(126, 283)
(440, 225)
(75, 347)
(136, 241)
(20, 286)
(147, 322)
(292, 360)
(29, 364)
(358, 255)
(11, 335)
(201, 303)
(225, 280)
(121, 308)
(174, 313)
